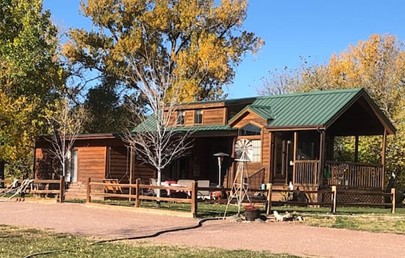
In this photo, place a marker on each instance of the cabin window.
(249, 149)
(180, 118)
(198, 117)
(250, 129)
(257, 150)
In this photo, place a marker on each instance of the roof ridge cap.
(315, 92)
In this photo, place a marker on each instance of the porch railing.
(306, 172)
(352, 174)
(257, 178)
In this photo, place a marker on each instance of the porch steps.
(76, 191)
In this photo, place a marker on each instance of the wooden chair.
(113, 186)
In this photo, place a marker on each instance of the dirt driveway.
(111, 222)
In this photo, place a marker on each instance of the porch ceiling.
(358, 119)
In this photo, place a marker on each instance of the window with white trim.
(257, 150)
(198, 117)
(180, 117)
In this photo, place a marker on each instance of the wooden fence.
(136, 192)
(40, 187)
(334, 193)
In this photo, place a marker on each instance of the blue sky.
(313, 29)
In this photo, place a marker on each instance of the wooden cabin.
(98, 156)
(287, 138)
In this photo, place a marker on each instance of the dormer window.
(180, 117)
(198, 117)
(250, 129)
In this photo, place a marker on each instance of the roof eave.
(296, 128)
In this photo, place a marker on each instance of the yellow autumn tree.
(30, 79)
(191, 45)
(18, 127)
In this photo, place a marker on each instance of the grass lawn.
(355, 218)
(18, 242)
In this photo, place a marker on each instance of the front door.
(71, 168)
(283, 148)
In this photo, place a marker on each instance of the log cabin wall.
(214, 113)
(44, 166)
(118, 163)
(91, 163)
(144, 172)
(214, 116)
(266, 154)
(189, 118)
(38, 161)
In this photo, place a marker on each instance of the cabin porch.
(309, 159)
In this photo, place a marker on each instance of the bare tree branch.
(67, 125)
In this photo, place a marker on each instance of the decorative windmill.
(240, 187)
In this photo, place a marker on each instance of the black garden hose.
(158, 233)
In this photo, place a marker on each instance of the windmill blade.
(244, 149)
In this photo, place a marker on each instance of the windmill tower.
(240, 186)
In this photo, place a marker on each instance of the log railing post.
(62, 189)
(88, 187)
(393, 197)
(138, 192)
(334, 202)
(194, 186)
(269, 193)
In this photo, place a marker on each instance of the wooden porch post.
(231, 172)
(383, 151)
(131, 169)
(356, 148)
(131, 164)
(295, 155)
(321, 156)
(268, 177)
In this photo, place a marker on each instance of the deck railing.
(352, 174)
(257, 178)
(306, 172)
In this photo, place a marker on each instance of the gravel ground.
(105, 222)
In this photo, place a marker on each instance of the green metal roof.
(149, 124)
(206, 128)
(310, 109)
